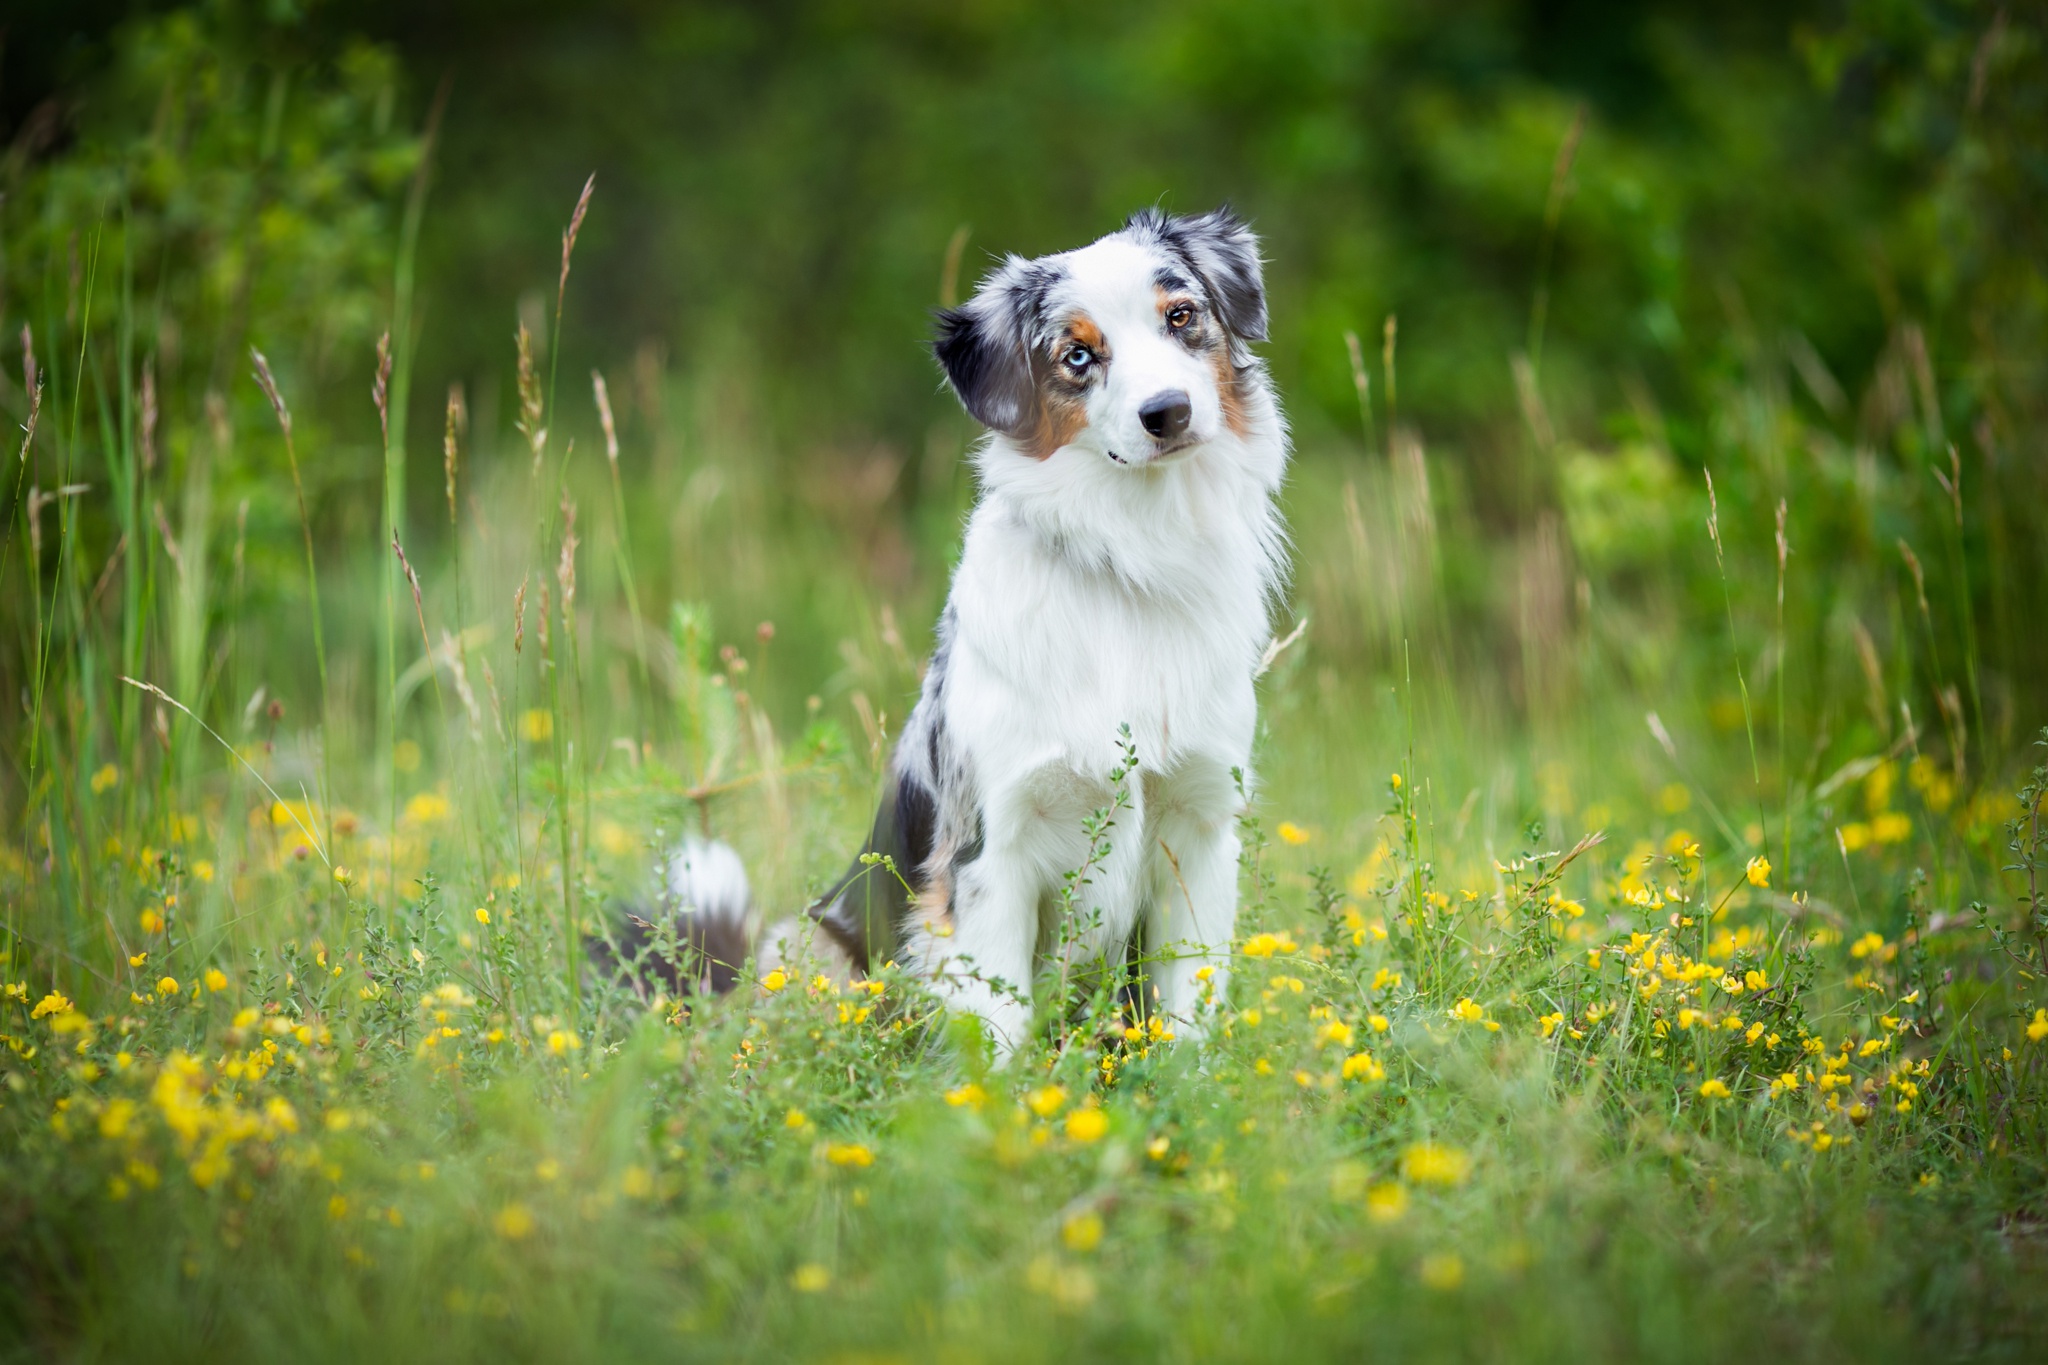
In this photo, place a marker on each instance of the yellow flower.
(1265, 945)
(1891, 828)
(1442, 1270)
(1386, 1201)
(1713, 1088)
(167, 986)
(427, 808)
(1394, 781)
(203, 870)
(1872, 942)
(969, 1096)
(1087, 1125)
(2038, 1030)
(1429, 1163)
(1336, 1031)
(1291, 833)
(854, 1154)
(795, 1118)
(1082, 1232)
(1758, 871)
(105, 779)
(1378, 1022)
(636, 1183)
(514, 1222)
(1383, 978)
(1470, 1011)
(1362, 1066)
(216, 979)
(116, 1117)
(483, 915)
(151, 921)
(1158, 1147)
(537, 727)
(1550, 1022)
(775, 981)
(561, 1043)
(810, 1278)
(53, 1003)
(1047, 1100)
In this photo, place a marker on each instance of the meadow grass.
(1588, 1002)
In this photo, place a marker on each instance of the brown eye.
(1179, 316)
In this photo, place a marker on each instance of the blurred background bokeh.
(1535, 269)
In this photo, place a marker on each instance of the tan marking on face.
(1061, 416)
(1229, 391)
(1062, 407)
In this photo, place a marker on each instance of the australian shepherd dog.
(1114, 596)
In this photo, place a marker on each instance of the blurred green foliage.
(1797, 246)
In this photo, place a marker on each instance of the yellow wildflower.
(1759, 871)
(1713, 1088)
(810, 1278)
(216, 979)
(514, 1222)
(1386, 1201)
(969, 1096)
(53, 1003)
(1442, 1270)
(1291, 833)
(105, 779)
(774, 981)
(855, 1154)
(2038, 1030)
(1082, 1232)
(1087, 1125)
(1430, 1163)
(167, 986)
(1265, 945)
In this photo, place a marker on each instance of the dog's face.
(1133, 349)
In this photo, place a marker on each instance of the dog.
(1114, 594)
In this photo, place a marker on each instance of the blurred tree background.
(1587, 250)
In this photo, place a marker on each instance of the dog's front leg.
(1192, 919)
(984, 969)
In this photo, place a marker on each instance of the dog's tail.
(700, 935)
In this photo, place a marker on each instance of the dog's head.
(1135, 348)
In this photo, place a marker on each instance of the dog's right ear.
(983, 348)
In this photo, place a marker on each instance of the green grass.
(303, 1056)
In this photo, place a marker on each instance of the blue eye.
(1078, 358)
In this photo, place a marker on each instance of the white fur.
(706, 877)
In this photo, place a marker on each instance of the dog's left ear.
(981, 345)
(1225, 253)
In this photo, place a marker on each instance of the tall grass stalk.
(393, 393)
(268, 383)
(1756, 771)
(622, 545)
(1784, 659)
(1553, 213)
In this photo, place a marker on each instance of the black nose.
(1166, 414)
